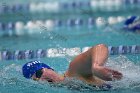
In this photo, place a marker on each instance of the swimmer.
(132, 24)
(88, 67)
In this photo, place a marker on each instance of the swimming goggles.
(39, 73)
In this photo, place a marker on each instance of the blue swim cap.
(130, 20)
(132, 24)
(31, 67)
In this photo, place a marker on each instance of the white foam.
(130, 71)
(85, 49)
(53, 52)
(73, 51)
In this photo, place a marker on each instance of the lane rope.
(30, 27)
(62, 52)
(103, 5)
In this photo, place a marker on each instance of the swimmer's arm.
(107, 74)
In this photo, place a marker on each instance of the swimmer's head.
(30, 68)
(40, 71)
(130, 20)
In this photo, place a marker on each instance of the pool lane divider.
(50, 7)
(63, 52)
(30, 27)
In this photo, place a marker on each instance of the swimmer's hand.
(116, 75)
(113, 75)
(107, 74)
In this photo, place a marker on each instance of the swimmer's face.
(47, 75)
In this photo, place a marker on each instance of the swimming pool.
(68, 35)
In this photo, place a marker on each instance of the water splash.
(11, 78)
(130, 71)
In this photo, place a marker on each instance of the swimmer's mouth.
(49, 80)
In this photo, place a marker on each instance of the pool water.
(11, 77)
(12, 80)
